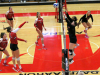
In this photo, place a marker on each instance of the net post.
(65, 59)
(60, 11)
(65, 66)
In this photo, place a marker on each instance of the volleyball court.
(43, 60)
(51, 59)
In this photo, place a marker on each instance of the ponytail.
(8, 29)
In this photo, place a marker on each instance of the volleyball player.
(39, 25)
(10, 16)
(3, 45)
(85, 22)
(71, 23)
(13, 46)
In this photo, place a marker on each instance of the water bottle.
(66, 63)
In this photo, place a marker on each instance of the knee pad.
(7, 56)
(13, 58)
(86, 28)
(70, 52)
(42, 38)
(18, 59)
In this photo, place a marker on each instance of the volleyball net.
(65, 64)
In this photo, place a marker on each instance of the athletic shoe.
(86, 36)
(36, 43)
(71, 62)
(43, 47)
(15, 69)
(5, 64)
(76, 45)
(20, 70)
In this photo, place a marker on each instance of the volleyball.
(55, 5)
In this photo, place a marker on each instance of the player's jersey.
(39, 23)
(13, 36)
(3, 43)
(9, 15)
(85, 18)
(71, 28)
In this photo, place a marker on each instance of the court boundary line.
(28, 49)
(95, 44)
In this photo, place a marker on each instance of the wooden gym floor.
(28, 33)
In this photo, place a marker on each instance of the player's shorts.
(10, 19)
(84, 21)
(2, 50)
(14, 47)
(39, 29)
(73, 40)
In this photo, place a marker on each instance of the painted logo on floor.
(49, 33)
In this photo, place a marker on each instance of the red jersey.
(39, 23)
(9, 15)
(13, 36)
(3, 43)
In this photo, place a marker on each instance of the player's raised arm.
(66, 12)
(19, 27)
